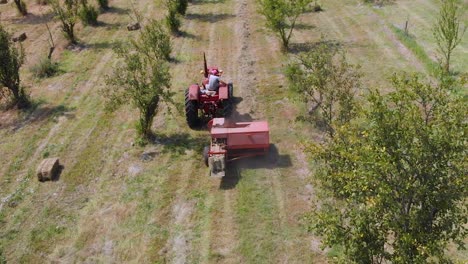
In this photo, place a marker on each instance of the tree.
(88, 14)
(21, 6)
(141, 79)
(11, 59)
(181, 6)
(103, 4)
(68, 14)
(154, 33)
(281, 16)
(172, 18)
(447, 31)
(400, 179)
(328, 83)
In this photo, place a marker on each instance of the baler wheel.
(206, 149)
(191, 111)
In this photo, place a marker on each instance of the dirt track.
(110, 205)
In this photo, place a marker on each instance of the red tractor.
(202, 106)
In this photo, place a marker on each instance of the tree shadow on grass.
(100, 45)
(297, 48)
(271, 161)
(117, 10)
(38, 113)
(202, 2)
(302, 26)
(32, 19)
(179, 143)
(109, 26)
(209, 17)
(186, 34)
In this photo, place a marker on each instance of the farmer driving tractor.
(214, 82)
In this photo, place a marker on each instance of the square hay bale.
(48, 169)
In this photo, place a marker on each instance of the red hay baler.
(202, 106)
(234, 140)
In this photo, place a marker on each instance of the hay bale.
(134, 26)
(48, 169)
(21, 37)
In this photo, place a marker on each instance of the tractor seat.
(207, 93)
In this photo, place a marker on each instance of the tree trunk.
(21, 6)
(19, 98)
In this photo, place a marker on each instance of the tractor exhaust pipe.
(205, 65)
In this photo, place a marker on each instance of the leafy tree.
(328, 83)
(399, 181)
(11, 59)
(68, 14)
(447, 31)
(21, 7)
(172, 18)
(182, 6)
(154, 33)
(281, 16)
(142, 79)
(103, 4)
(88, 14)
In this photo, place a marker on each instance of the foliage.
(103, 4)
(317, 7)
(328, 82)
(281, 16)
(142, 79)
(400, 179)
(21, 7)
(172, 18)
(2, 257)
(11, 59)
(45, 68)
(68, 14)
(154, 33)
(88, 14)
(447, 31)
(181, 6)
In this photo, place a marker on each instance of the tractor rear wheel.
(191, 111)
(230, 91)
(206, 149)
(227, 108)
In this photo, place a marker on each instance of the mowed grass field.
(110, 205)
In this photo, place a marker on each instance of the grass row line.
(410, 42)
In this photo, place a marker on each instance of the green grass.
(259, 227)
(410, 42)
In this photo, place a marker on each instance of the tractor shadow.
(235, 115)
(273, 160)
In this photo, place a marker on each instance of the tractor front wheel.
(191, 111)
